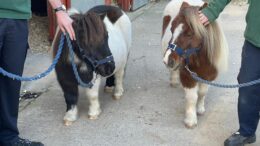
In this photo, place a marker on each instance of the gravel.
(39, 34)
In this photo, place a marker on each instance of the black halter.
(185, 54)
(93, 62)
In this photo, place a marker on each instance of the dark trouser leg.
(13, 49)
(249, 97)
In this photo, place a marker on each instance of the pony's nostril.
(171, 62)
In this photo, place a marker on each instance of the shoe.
(237, 139)
(25, 142)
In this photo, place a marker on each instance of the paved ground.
(151, 112)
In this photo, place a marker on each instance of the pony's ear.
(184, 5)
(203, 6)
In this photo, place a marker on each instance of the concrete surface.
(151, 112)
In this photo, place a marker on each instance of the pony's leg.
(71, 97)
(203, 89)
(110, 84)
(92, 94)
(191, 101)
(119, 90)
(175, 78)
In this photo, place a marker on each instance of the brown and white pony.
(186, 42)
(101, 32)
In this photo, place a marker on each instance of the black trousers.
(13, 49)
(249, 97)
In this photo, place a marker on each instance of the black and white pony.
(102, 32)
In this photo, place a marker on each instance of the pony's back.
(117, 18)
(173, 6)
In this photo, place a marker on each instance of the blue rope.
(197, 78)
(55, 61)
(74, 67)
(39, 76)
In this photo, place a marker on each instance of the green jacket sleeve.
(214, 8)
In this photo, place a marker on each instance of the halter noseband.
(185, 54)
(93, 62)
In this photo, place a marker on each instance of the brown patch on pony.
(113, 13)
(200, 64)
(176, 21)
(166, 21)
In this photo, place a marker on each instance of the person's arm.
(212, 11)
(63, 19)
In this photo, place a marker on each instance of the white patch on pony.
(76, 59)
(92, 94)
(166, 56)
(173, 6)
(120, 32)
(71, 115)
(177, 32)
(125, 25)
(83, 68)
(191, 95)
(175, 78)
(119, 90)
(175, 35)
(203, 89)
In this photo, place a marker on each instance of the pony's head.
(92, 43)
(190, 37)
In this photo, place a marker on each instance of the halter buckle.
(172, 46)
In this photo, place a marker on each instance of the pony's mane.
(90, 27)
(213, 38)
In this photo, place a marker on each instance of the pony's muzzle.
(169, 62)
(106, 69)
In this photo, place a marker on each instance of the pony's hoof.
(174, 85)
(116, 97)
(108, 89)
(190, 124)
(68, 123)
(93, 117)
(201, 111)
(118, 93)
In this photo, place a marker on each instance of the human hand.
(65, 24)
(203, 19)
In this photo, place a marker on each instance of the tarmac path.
(151, 112)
